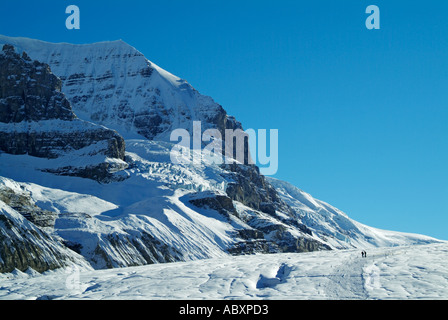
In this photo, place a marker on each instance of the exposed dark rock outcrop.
(29, 91)
(262, 235)
(252, 189)
(219, 202)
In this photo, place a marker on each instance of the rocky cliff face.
(29, 91)
(37, 119)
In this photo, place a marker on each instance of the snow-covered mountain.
(146, 209)
(113, 84)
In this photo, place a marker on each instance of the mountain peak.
(113, 84)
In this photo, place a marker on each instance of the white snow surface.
(409, 272)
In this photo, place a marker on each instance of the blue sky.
(362, 114)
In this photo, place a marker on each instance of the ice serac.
(113, 84)
(37, 119)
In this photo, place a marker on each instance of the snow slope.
(413, 272)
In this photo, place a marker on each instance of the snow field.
(413, 272)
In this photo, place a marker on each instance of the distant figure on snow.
(363, 254)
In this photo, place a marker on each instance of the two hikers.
(364, 254)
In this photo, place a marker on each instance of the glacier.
(399, 273)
